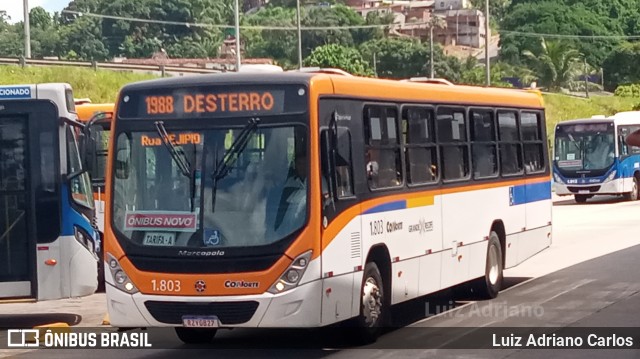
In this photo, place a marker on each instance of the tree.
(39, 18)
(555, 63)
(621, 66)
(397, 58)
(341, 57)
(556, 17)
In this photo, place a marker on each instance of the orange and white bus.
(306, 199)
(100, 116)
(97, 119)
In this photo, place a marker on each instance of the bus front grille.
(227, 312)
(573, 189)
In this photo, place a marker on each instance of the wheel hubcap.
(494, 266)
(371, 302)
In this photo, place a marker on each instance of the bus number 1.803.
(376, 227)
(165, 285)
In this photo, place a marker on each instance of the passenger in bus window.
(372, 166)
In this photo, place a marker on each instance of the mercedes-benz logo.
(200, 286)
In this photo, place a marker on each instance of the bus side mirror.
(327, 168)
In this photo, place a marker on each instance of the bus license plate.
(583, 191)
(200, 322)
(159, 239)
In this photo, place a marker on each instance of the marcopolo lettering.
(240, 284)
(15, 92)
(200, 253)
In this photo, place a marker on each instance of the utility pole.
(27, 31)
(431, 49)
(238, 60)
(586, 78)
(375, 65)
(299, 35)
(486, 44)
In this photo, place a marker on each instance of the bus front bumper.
(613, 187)
(297, 307)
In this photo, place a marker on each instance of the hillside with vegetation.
(552, 42)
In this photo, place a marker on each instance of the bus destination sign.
(212, 102)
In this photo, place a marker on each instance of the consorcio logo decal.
(240, 284)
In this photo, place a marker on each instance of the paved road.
(567, 291)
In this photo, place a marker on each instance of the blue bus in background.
(48, 238)
(591, 157)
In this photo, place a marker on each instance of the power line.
(219, 26)
(345, 27)
(563, 36)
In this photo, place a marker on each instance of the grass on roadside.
(99, 86)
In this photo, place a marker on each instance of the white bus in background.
(48, 239)
(591, 157)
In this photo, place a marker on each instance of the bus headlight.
(557, 178)
(292, 275)
(611, 176)
(84, 238)
(121, 279)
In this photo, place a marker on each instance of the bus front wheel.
(372, 305)
(633, 195)
(195, 335)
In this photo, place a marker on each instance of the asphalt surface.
(599, 292)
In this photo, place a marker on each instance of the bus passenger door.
(341, 237)
(17, 245)
(27, 215)
(537, 199)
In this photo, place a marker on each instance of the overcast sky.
(14, 7)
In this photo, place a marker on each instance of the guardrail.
(163, 69)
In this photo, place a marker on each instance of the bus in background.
(304, 199)
(97, 119)
(591, 157)
(100, 116)
(48, 238)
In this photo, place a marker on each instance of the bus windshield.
(177, 195)
(585, 147)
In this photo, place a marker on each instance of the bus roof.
(87, 110)
(353, 86)
(620, 118)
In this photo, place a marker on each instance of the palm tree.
(556, 64)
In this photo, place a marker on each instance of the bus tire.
(373, 306)
(633, 195)
(581, 198)
(489, 286)
(195, 335)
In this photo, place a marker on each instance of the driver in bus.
(633, 139)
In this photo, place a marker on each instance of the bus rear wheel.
(581, 198)
(633, 195)
(489, 286)
(195, 335)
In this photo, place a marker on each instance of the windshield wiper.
(178, 156)
(223, 166)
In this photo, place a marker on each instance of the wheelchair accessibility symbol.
(211, 237)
